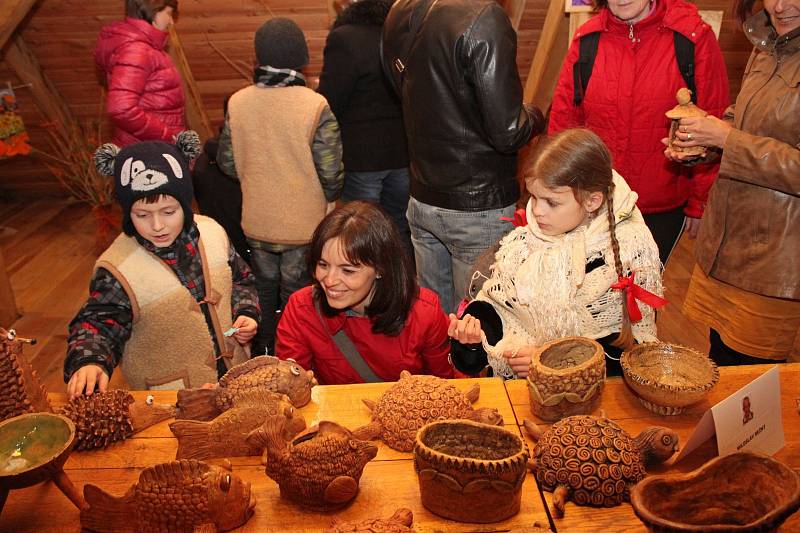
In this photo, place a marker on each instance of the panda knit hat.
(280, 43)
(150, 167)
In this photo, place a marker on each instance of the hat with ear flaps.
(150, 167)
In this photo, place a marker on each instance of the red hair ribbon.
(634, 292)
(519, 218)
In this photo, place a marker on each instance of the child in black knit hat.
(170, 300)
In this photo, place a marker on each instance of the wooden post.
(8, 307)
(11, 14)
(550, 51)
(196, 116)
(515, 9)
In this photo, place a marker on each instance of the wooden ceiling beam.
(550, 51)
(12, 12)
(196, 116)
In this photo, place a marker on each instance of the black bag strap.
(582, 69)
(399, 63)
(349, 351)
(684, 54)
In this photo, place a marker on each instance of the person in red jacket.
(633, 83)
(364, 319)
(145, 94)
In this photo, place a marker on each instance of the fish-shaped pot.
(107, 417)
(226, 435)
(321, 468)
(181, 496)
(259, 373)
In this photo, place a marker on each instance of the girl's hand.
(85, 379)
(247, 329)
(467, 330)
(709, 131)
(520, 360)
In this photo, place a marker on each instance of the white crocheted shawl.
(539, 285)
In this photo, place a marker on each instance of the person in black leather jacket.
(453, 63)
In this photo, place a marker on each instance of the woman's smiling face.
(784, 15)
(346, 285)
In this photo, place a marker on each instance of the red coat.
(145, 94)
(632, 85)
(421, 348)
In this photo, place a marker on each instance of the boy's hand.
(247, 329)
(467, 330)
(85, 379)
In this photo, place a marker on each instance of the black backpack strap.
(684, 54)
(582, 69)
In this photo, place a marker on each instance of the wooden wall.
(62, 33)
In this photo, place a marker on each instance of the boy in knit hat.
(281, 140)
(170, 301)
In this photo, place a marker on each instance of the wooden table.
(389, 480)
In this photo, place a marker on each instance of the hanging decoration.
(13, 137)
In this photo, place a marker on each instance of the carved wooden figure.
(416, 400)
(399, 522)
(181, 496)
(470, 472)
(590, 460)
(259, 373)
(320, 469)
(684, 109)
(22, 390)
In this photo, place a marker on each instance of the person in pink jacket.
(145, 94)
(633, 82)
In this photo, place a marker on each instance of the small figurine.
(320, 469)
(22, 390)
(226, 435)
(399, 522)
(416, 400)
(181, 496)
(592, 461)
(263, 372)
(684, 109)
(108, 417)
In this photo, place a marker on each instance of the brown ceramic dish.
(740, 492)
(566, 378)
(667, 378)
(470, 472)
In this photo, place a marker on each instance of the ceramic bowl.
(737, 493)
(667, 378)
(33, 446)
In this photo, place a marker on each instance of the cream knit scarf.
(541, 291)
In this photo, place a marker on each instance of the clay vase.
(566, 378)
(470, 472)
(34, 448)
(740, 492)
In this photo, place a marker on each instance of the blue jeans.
(447, 242)
(278, 275)
(388, 188)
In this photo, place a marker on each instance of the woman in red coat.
(364, 319)
(145, 94)
(633, 83)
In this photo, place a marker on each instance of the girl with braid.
(585, 264)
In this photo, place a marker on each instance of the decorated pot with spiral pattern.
(470, 472)
(566, 378)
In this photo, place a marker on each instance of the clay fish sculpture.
(22, 390)
(182, 497)
(108, 417)
(226, 435)
(263, 373)
(399, 522)
(416, 400)
(320, 469)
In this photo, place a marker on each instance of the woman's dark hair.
(147, 9)
(743, 9)
(579, 159)
(369, 237)
(364, 13)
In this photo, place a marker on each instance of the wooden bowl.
(470, 472)
(735, 493)
(33, 448)
(667, 378)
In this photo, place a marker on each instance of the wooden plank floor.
(49, 251)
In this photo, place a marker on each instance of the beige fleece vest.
(170, 346)
(272, 130)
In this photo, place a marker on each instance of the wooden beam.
(515, 9)
(550, 52)
(21, 59)
(12, 12)
(8, 307)
(196, 116)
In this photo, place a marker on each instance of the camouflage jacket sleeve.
(225, 151)
(327, 152)
(244, 298)
(98, 333)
